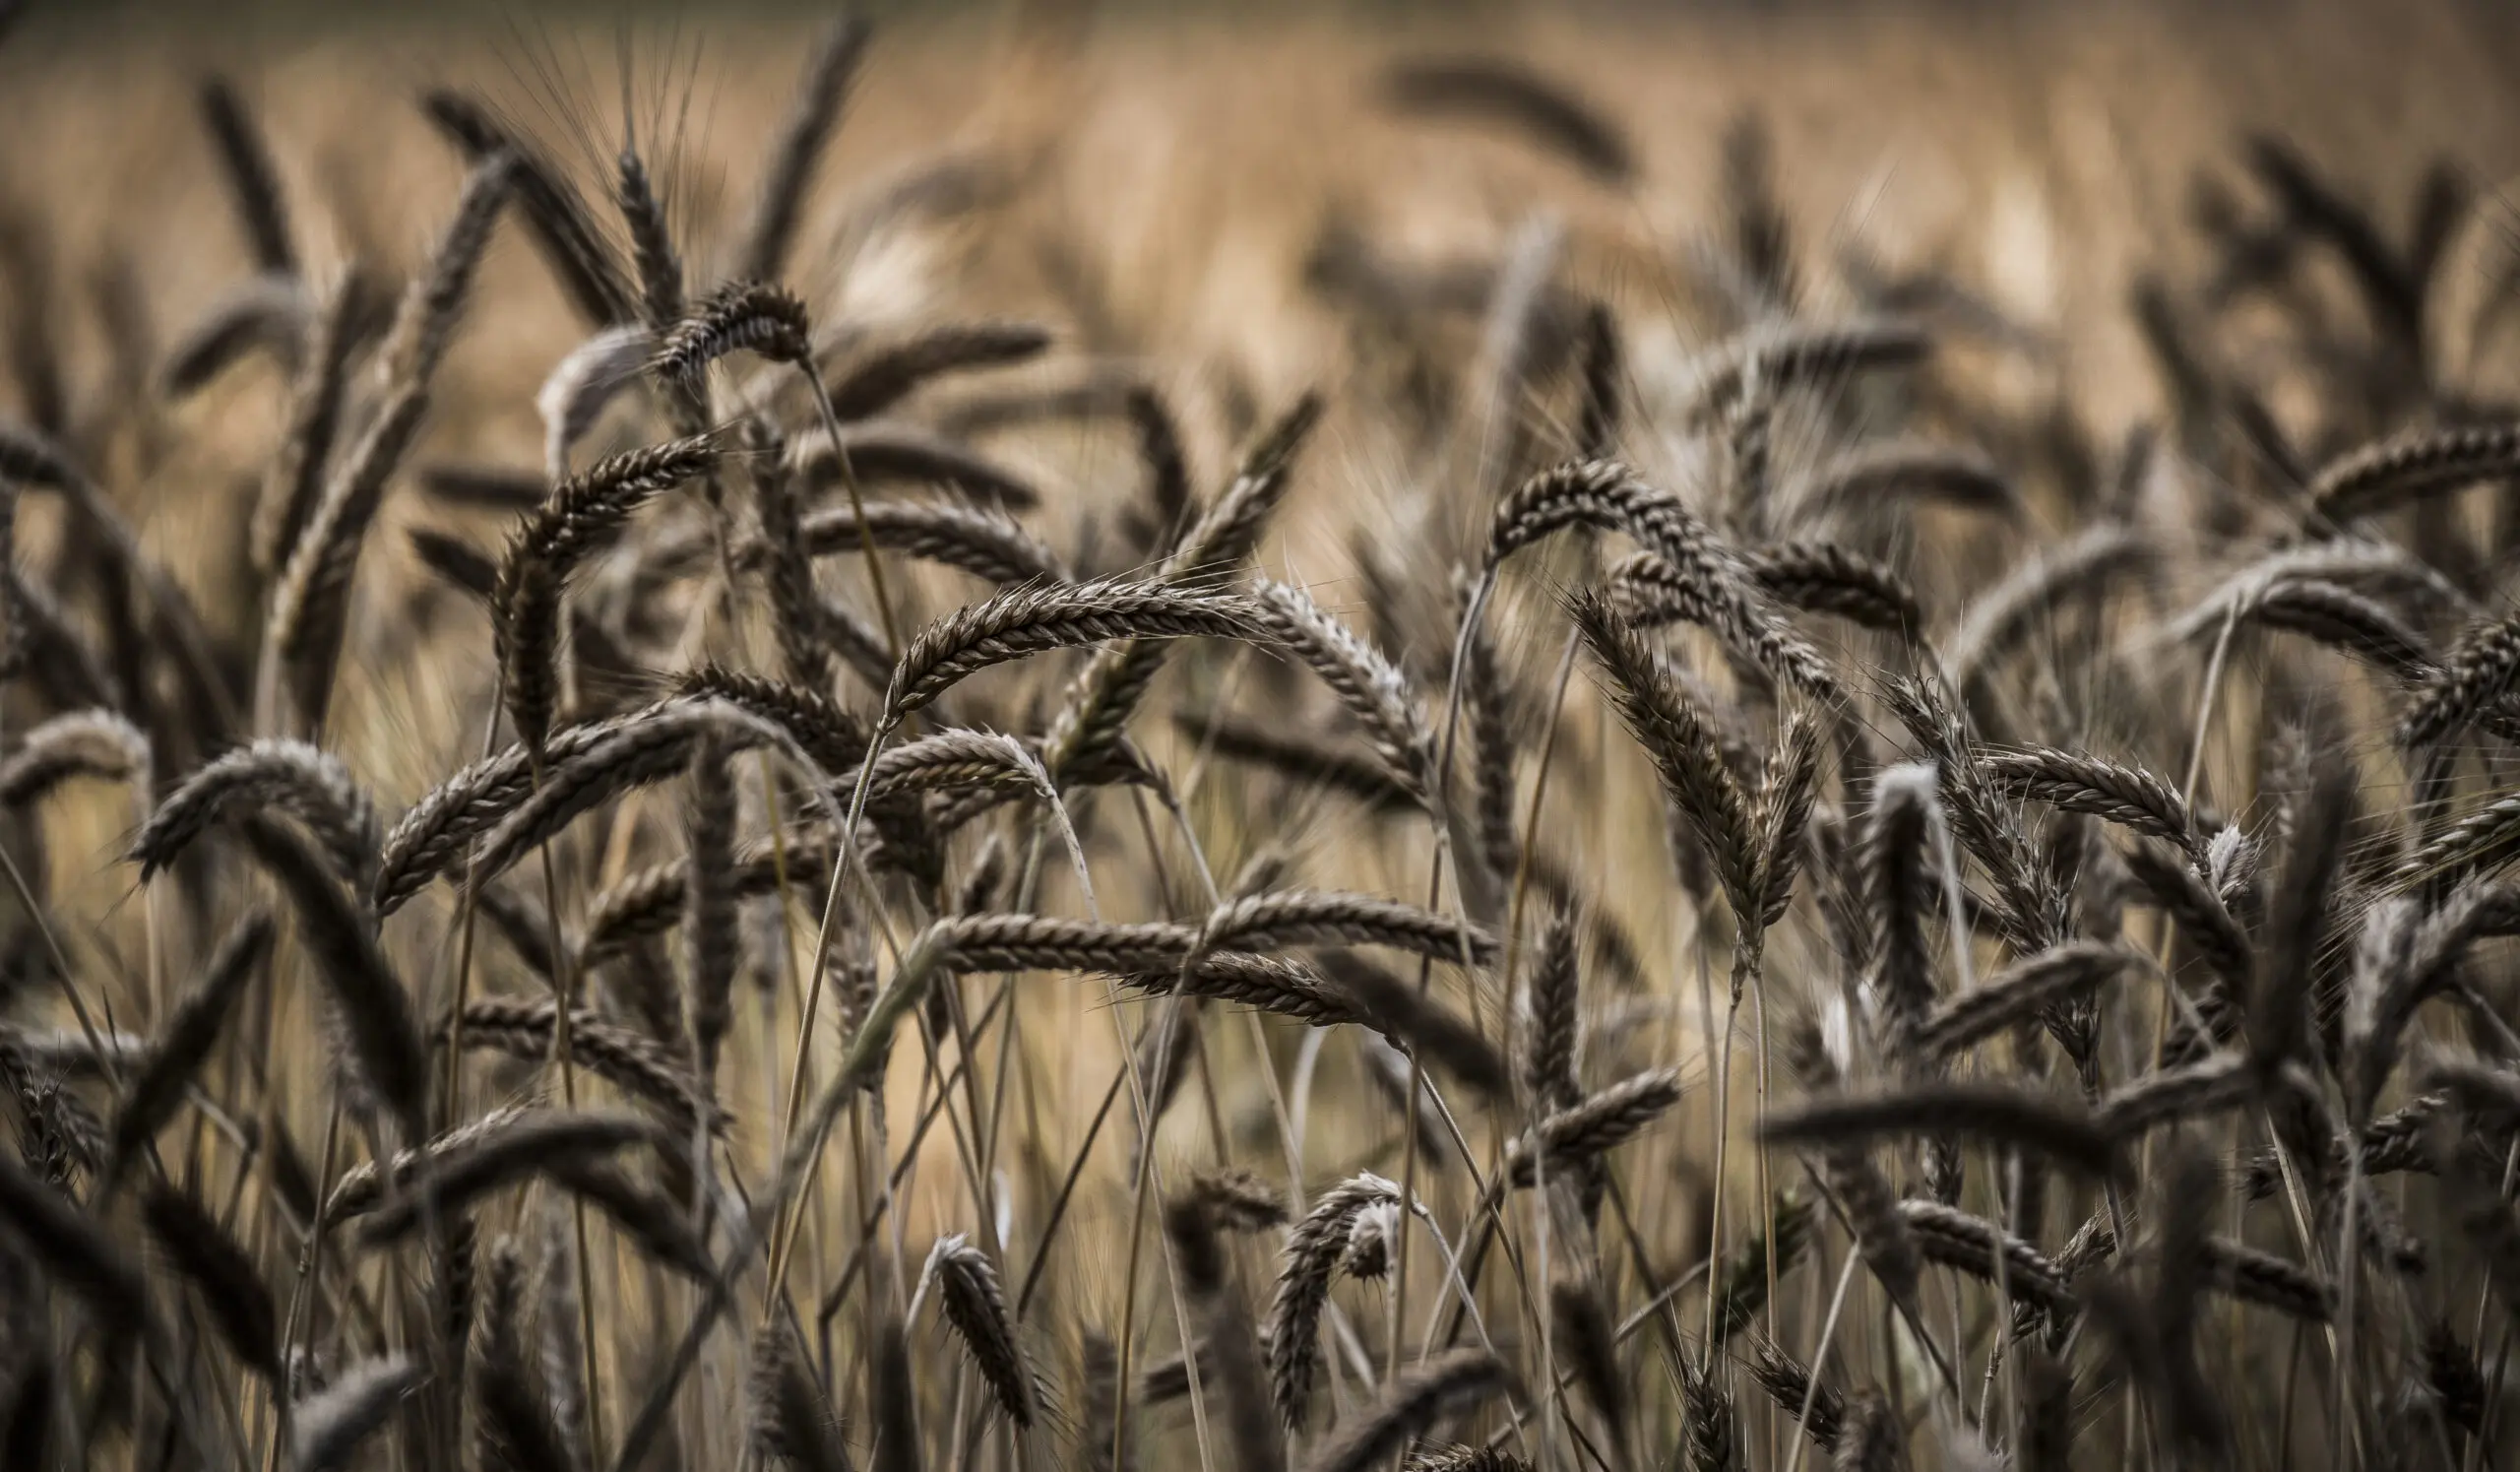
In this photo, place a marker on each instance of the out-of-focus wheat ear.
(788, 572)
(80, 743)
(1997, 1113)
(1167, 1045)
(740, 316)
(434, 302)
(527, 1146)
(630, 1061)
(1869, 1440)
(1742, 1286)
(26, 1408)
(512, 1421)
(2474, 673)
(555, 214)
(386, 1057)
(973, 1303)
(1603, 404)
(712, 939)
(788, 1420)
(1705, 1412)
(290, 490)
(2393, 292)
(1167, 511)
(778, 201)
(153, 1093)
(658, 1226)
(1305, 1267)
(1581, 1332)
(333, 1424)
(885, 376)
(2278, 1010)
(1545, 113)
(1230, 1349)
(2019, 992)
(1893, 470)
(455, 562)
(1881, 1234)
(2000, 618)
(892, 1396)
(1788, 1383)
(252, 178)
(1411, 1407)
(270, 775)
(1487, 704)
(1098, 1425)
(1897, 892)
(265, 314)
(2046, 1437)
(2453, 1380)
(55, 656)
(652, 257)
(310, 600)
(1237, 1199)
(1553, 1030)
(1758, 236)
(983, 543)
(204, 1253)
(576, 393)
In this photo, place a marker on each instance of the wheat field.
(1063, 737)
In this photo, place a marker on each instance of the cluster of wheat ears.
(1958, 945)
